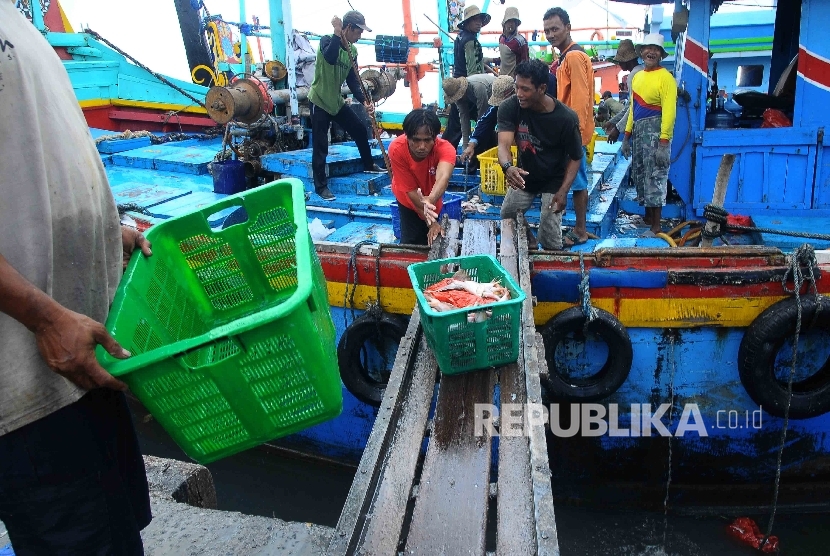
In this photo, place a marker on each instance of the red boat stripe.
(696, 55)
(814, 68)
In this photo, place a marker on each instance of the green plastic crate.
(460, 345)
(230, 330)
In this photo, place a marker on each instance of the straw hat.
(503, 88)
(470, 12)
(625, 52)
(454, 88)
(511, 13)
(652, 39)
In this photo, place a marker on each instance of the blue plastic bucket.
(451, 207)
(228, 177)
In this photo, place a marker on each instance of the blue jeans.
(581, 180)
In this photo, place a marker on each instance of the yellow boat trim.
(192, 108)
(391, 125)
(399, 301)
(672, 313)
(100, 102)
(95, 103)
(633, 313)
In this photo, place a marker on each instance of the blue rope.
(585, 292)
(351, 279)
(803, 256)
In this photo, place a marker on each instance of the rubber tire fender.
(352, 372)
(760, 345)
(613, 373)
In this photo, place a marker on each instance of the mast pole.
(411, 72)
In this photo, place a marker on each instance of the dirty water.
(258, 482)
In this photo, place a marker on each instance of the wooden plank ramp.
(452, 498)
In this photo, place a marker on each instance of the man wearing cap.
(626, 58)
(549, 147)
(469, 93)
(575, 89)
(334, 65)
(650, 128)
(485, 137)
(422, 165)
(513, 49)
(468, 60)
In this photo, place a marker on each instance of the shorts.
(73, 482)
(581, 180)
(550, 223)
(414, 229)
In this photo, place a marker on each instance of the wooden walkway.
(425, 484)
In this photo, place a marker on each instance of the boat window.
(750, 76)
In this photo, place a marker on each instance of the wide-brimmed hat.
(353, 17)
(511, 13)
(454, 88)
(652, 39)
(470, 12)
(503, 88)
(625, 52)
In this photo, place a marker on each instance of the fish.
(459, 291)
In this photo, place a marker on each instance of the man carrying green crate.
(549, 144)
(72, 478)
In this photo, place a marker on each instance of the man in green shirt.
(334, 66)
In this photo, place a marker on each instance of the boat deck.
(448, 499)
(166, 180)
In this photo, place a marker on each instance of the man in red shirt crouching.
(422, 165)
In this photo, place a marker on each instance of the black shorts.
(73, 482)
(414, 229)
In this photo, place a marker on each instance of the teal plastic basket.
(461, 345)
(219, 323)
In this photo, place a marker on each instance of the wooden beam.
(404, 393)
(721, 181)
(533, 352)
(450, 515)
(516, 534)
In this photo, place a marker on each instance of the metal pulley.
(381, 84)
(275, 70)
(244, 100)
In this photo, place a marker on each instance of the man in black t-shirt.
(549, 143)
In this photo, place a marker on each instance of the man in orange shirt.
(575, 89)
(422, 165)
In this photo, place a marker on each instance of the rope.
(372, 117)
(132, 207)
(718, 215)
(585, 292)
(671, 425)
(158, 76)
(807, 235)
(351, 279)
(803, 256)
(373, 309)
(155, 139)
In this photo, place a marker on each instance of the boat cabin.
(779, 171)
